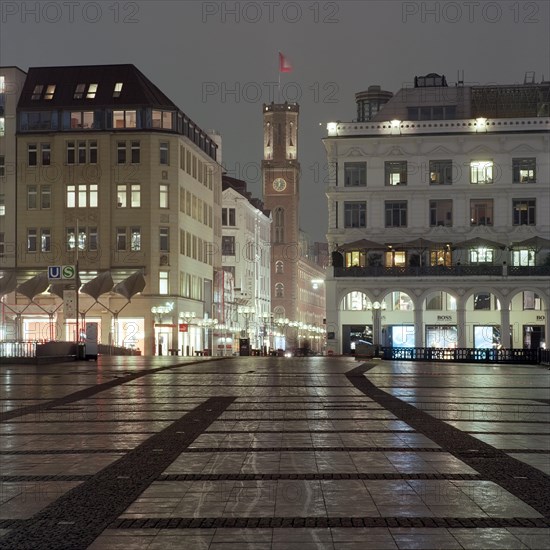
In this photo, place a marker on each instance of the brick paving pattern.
(273, 453)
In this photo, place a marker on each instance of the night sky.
(218, 61)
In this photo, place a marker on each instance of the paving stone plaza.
(274, 453)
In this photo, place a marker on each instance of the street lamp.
(158, 313)
(246, 312)
(208, 323)
(187, 317)
(377, 308)
(266, 328)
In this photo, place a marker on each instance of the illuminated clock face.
(279, 184)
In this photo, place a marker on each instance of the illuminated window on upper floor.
(124, 119)
(481, 172)
(50, 91)
(118, 89)
(524, 170)
(92, 90)
(523, 257)
(2, 125)
(162, 119)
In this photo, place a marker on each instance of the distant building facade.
(438, 218)
(114, 177)
(246, 258)
(297, 282)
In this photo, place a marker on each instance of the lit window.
(118, 89)
(50, 91)
(45, 240)
(531, 300)
(124, 119)
(121, 196)
(2, 84)
(92, 90)
(163, 282)
(481, 172)
(481, 255)
(441, 213)
(523, 257)
(93, 190)
(524, 170)
(2, 204)
(135, 195)
(82, 120)
(163, 195)
(135, 239)
(71, 196)
(396, 172)
(396, 258)
(2, 125)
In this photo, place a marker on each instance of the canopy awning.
(8, 283)
(479, 242)
(362, 244)
(418, 244)
(99, 285)
(130, 286)
(538, 243)
(35, 286)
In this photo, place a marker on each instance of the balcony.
(444, 271)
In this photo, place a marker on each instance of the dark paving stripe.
(526, 482)
(315, 477)
(252, 431)
(68, 452)
(87, 392)
(264, 449)
(25, 478)
(324, 522)
(75, 519)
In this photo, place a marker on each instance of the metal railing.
(466, 355)
(444, 271)
(13, 348)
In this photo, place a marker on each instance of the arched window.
(279, 290)
(279, 267)
(279, 312)
(279, 223)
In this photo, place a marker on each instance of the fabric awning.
(99, 285)
(362, 244)
(478, 242)
(538, 243)
(8, 283)
(130, 286)
(35, 286)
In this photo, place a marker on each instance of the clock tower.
(281, 178)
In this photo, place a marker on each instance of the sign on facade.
(61, 272)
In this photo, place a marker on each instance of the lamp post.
(266, 327)
(281, 323)
(208, 323)
(158, 313)
(187, 317)
(246, 312)
(377, 308)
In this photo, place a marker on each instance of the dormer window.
(79, 91)
(37, 92)
(92, 89)
(118, 89)
(50, 91)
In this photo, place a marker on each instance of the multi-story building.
(113, 177)
(11, 84)
(297, 282)
(438, 204)
(246, 256)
